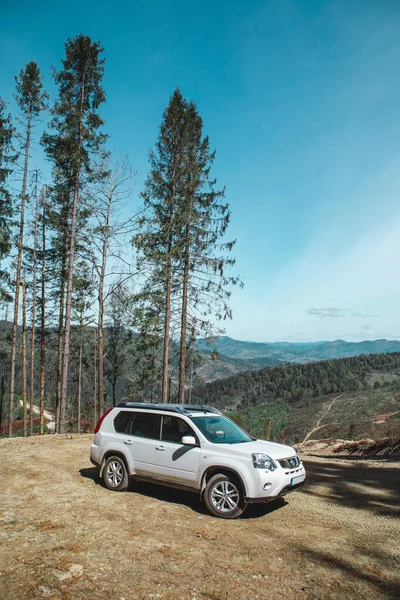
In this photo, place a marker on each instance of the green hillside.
(293, 382)
(371, 413)
(365, 391)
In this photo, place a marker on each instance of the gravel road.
(63, 535)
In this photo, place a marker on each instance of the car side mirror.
(188, 440)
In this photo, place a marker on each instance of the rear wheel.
(115, 474)
(223, 497)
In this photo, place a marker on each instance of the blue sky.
(301, 100)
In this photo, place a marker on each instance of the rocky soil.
(63, 535)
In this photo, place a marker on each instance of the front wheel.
(115, 474)
(224, 498)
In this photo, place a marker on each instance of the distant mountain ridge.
(295, 352)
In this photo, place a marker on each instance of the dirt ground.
(63, 535)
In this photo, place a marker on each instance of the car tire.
(115, 474)
(224, 497)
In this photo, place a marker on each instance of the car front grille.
(290, 463)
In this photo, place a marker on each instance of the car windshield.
(220, 430)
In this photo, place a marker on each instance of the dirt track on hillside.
(63, 535)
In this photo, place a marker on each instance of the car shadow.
(176, 496)
(93, 474)
(255, 511)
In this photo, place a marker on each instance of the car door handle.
(160, 448)
(128, 442)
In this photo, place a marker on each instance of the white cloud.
(327, 312)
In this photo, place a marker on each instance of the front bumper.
(269, 485)
(286, 490)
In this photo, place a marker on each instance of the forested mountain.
(295, 352)
(293, 382)
(349, 398)
(210, 367)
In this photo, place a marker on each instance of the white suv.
(196, 448)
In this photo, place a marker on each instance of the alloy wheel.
(225, 496)
(114, 473)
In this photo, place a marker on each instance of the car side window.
(174, 428)
(145, 425)
(121, 421)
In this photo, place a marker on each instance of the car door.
(172, 460)
(143, 432)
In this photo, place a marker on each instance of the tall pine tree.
(157, 243)
(74, 142)
(203, 253)
(182, 239)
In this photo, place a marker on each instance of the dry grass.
(65, 536)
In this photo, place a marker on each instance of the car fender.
(223, 466)
(119, 449)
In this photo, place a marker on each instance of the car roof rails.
(183, 409)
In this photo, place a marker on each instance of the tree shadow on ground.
(176, 496)
(369, 487)
(389, 587)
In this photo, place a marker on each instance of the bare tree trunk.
(42, 323)
(59, 362)
(110, 191)
(267, 429)
(64, 384)
(18, 279)
(80, 383)
(61, 331)
(68, 307)
(100, 340)
(169, 390)
(114, 391)
(164, 393)
(100, 356)
(60, 342)
(2, 386)
(33, 327)
(95, 385)
(24, 407)
(191, 380)
(182, 352)
(2, 394)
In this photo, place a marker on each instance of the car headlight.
(262, 461)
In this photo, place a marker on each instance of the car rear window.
(121, 421)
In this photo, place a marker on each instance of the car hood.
(273, 450)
